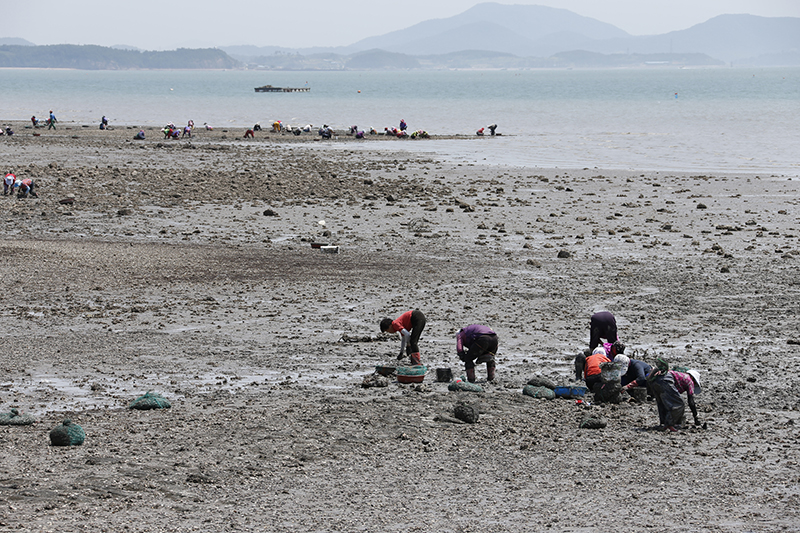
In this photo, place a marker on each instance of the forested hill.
(92, 57)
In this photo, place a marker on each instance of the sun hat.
(599, 349)
(696, 378)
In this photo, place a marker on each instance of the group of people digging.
(663, 383)
(477, 344)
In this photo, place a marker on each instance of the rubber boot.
(415, 358)
(471, 375)
(490, 371)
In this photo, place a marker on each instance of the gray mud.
(165, 274)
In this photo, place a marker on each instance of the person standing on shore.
(409, 325)
(403, 124)
(51, 122)
(476, 344)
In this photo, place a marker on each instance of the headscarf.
(662, 367)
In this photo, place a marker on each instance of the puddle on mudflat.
(44, 392)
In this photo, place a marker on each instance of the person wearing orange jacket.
(409, 325)
(591, 368)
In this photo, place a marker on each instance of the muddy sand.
(186, 268)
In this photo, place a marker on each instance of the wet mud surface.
(165, 274)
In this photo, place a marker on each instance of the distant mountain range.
(488, 35)
(529, 31)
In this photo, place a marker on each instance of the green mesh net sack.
(538, 392)
(541, 381)
(465, 386)
(14, 418)
(150, 400)
(67, 434)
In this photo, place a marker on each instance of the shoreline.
(438, 146)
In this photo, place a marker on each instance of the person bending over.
(409, 325)
(477, 344)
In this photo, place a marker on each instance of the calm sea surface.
(726, 119)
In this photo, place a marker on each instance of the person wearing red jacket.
(8, 184)
(409, 325)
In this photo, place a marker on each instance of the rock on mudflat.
(466, 413)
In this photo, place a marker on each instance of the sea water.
(661, 118)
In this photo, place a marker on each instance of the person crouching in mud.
(591, 367)
(409, 325)
(480, 343)
(667, 386)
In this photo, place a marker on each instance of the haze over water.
(725, 119)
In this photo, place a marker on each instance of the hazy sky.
(169, 24)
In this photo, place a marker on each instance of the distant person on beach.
(492, 127)
(207, 126)
(9, 131)
(34, 121)
(103, 123)
(26, 187)
(8, 184)
(403, 124)
(190, 124)
(51, 122)
(249, 133)
(477, 344)
(325, 132)
(480, 132)
(307, 128)
(360, 134)
(409, 325)
(257, 127)
(139, 136)
(187, 132)
(276, 126)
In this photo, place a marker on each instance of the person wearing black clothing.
(602, 325)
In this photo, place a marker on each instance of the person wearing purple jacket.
(477, 344)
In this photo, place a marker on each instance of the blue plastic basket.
(570, 392)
